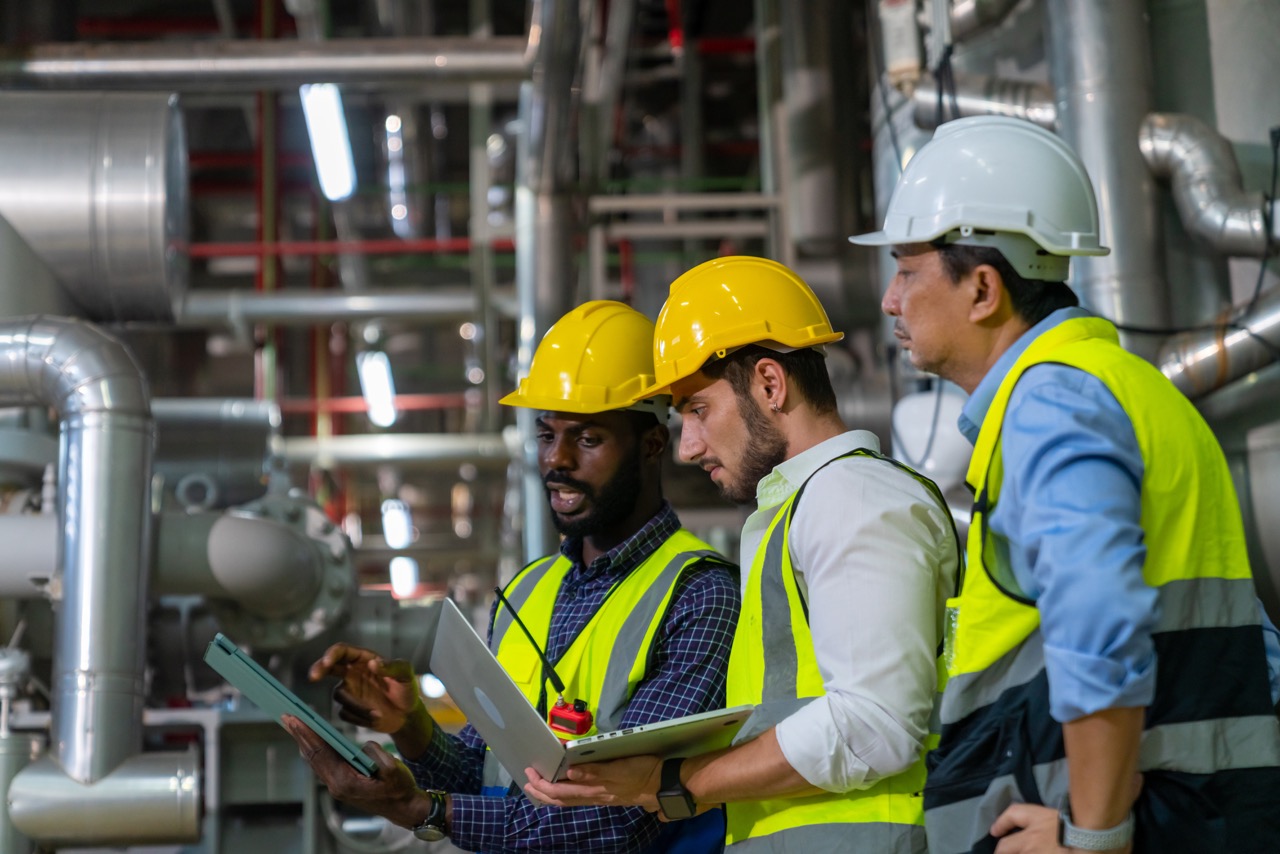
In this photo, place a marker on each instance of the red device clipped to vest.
(574, 721)
(566, 721)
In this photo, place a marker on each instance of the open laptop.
(520, 737)
(266, 692)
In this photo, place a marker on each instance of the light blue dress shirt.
(1069, 514)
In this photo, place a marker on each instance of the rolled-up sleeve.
(876, 555)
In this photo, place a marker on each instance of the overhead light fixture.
(397, 524)
(404, 577)
(330, 143)
(378, 386)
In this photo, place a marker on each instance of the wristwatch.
(674, 799)
(433, 828)
(1070, 836)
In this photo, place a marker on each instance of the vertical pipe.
(1100, 67)
(769, 97)
(482, 266)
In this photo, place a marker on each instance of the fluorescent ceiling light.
(397, 524)
(404, 577)
(378, 386)
(330, 144)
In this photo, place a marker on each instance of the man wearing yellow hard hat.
(851, 558)
(628, 585)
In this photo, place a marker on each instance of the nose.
(692, 445)
(890, 304)
(556, 455)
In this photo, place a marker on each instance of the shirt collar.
(975, 408)
(632, 551)
(778, 485)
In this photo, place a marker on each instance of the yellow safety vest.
(773, 664)
(610, 655)
(999, 743)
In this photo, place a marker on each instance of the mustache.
(561, 479)
(708, 463)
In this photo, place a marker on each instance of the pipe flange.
(335, 594)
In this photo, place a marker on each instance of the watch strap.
(1084, 839)
(433, 826)
(671, 789)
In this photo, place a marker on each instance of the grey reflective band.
(517, 595)
(780, 662)
(837, 838)
(1193, 603)
(627, 647)
(769, 714)
(1196, 747)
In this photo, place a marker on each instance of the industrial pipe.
(234, 308)
(99, 593)
(1100, 66)
(1203, 361)
(254, 65)
(404, 449)
(984, 95)
(1206, 184)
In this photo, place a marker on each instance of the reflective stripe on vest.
(773, 664)
(1212, 711)
(610, 655)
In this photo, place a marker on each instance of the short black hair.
(1032, 300)
(641, 422)
(807, 368)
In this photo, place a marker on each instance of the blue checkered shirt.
(686, 675)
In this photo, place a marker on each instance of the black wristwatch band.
(674, 799)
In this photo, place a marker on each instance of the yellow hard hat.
(727, 303)
(597, 357)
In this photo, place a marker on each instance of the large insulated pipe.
(266, 568)
(104, 478)
(545, 275)
(1207, 188)
(96, 184)
(404, 449)
(1100, 67)
(1203, 361)
(987, 95)
(250, 66)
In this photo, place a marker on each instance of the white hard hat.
(1000, 182)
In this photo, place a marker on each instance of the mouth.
(565, 501)
(712, 469)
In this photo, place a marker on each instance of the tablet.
(268, 694)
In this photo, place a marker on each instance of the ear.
(654, 442)
(990, 299)
(769, 384)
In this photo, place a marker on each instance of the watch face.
(429, 833)
(676, 806)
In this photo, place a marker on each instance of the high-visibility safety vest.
(773, 664)
(610, 655)
(1211, 743)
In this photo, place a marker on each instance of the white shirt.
(875, 557)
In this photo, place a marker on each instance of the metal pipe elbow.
(70, 365)
(150, 798)
(1205, 179)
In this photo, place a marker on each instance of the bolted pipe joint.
(150, 798)
(1206, 183)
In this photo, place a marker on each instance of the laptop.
(266, 692)
(520, 737)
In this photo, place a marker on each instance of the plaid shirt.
(686, 676)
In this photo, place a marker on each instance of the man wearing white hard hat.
(1111, 678)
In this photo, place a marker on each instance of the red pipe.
(352, 405)
(675, 29)
(376, 246)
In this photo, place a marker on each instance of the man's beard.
(615, 501)
(766, 448)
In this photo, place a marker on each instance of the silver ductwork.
(99, 588)
(546, 281)
(1203, 361)
(250, 66)
(96, 184)
(987, 95)
(402, 449)
(240, 309)
(213, 454)
(1101, 71)
(1207, 188)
